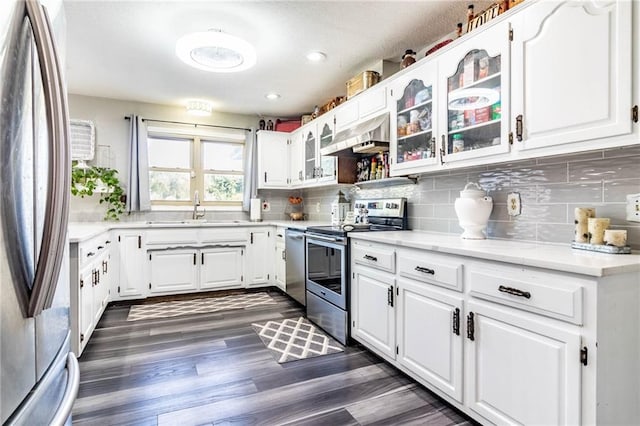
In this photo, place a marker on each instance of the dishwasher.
(295, 253)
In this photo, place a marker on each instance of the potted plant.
(87, 180)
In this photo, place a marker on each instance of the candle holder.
(581, 216)
(596, 227)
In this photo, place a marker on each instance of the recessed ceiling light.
(199, 107)
(272, 96)
(316, 56)
(215, 51)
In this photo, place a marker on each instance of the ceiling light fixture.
(215, 51)
(316, 56)
(198, 107)
(272, 96)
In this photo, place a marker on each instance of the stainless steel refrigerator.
(40, 375)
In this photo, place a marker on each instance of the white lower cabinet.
(372, 311)
(504, 343)
(281, 267)
(259, 270)
(521, 370)
(221, 268)
(429, 337)
(86, 317)
(131, 258)
(191, 260)
(90, 275)
(173, 271)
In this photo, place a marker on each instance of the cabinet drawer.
(91, 249)
(172, 236)
(431, 268)
(375, 256)
(224, 235)
(280, 234)
(548, 294)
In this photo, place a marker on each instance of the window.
(179, 165)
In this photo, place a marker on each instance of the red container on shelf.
(483, 114)
(287, 125)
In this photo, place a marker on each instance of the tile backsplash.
(550, 188)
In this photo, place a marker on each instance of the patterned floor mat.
(294, 339)
(198, 306)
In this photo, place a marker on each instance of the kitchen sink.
(193, 221)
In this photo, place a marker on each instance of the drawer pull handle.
(371, 258)
(90, 254)
(100, 247)
(425, 270)
(514, 292)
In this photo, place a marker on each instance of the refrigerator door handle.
(70, 393)
(56, 215)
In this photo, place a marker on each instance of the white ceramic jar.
(473, 209)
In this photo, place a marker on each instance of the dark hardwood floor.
(214, 369)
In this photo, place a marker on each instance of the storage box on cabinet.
(444, 271)
(550, 294)
(375, 256)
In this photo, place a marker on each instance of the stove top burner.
(344, 229)
(383, 214)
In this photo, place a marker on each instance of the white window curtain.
(250, 170)
(138, 173)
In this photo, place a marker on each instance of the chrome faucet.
(196, 203)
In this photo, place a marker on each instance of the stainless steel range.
(327, 267)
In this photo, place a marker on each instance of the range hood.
(367, 137)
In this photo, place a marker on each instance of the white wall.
(112, 140)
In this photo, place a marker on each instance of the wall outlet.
(317, 207)
(514, 207)
(633, 207)
(266, 206)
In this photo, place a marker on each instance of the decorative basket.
(361, 82)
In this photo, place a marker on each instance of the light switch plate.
(633, 207)
(514, 207)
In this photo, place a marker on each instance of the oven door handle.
(325, 239)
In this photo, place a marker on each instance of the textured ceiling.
(125, 49)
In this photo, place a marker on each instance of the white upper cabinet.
(474, 79)
(372, 101)
(318, 168)
(572, 72)
(414, 147)
(273, 148)
(273, 159)
(346, 115)
(296, 174)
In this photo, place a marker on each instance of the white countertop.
(559, 257)
(82, 231)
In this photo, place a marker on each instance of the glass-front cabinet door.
(416, 146)
(309, 143)
(474, 79)
(327, 163)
